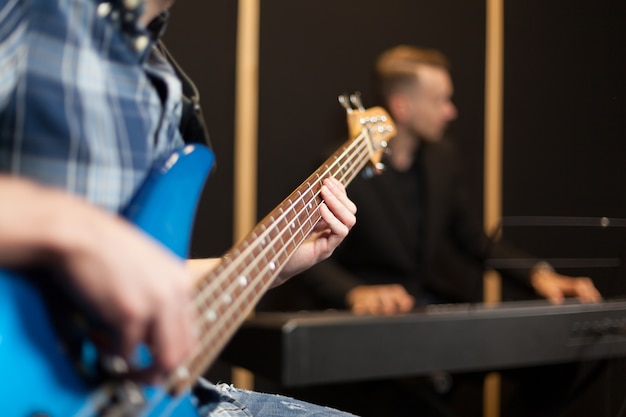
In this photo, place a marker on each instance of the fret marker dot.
(243, 281)
(272, 266)
(211, 316)
(226, 298)
(182, 373)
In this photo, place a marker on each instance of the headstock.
(374, 122)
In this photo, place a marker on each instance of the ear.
(399, 107)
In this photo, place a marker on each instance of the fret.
(311, 206)
(272, 235)
(294, 226)
(297, 226)
(272, 263)
(259, 234)
(208, 295)
(283, 229)
(326, 171)
(318, 181)
(345, 169)
(254, 255)
(292, 217)
(246, 257)
(297, 202)
(285, 252)
(254, 269)
(282, 221)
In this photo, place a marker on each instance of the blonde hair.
(396, 68)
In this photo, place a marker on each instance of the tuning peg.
(344, 101)
(355, 99)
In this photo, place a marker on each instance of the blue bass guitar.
(45, 374)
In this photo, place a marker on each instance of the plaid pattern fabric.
(87, 103)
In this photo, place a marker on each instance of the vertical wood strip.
(494, 63)
(493, 120)
(246, 134)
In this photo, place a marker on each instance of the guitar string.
(233, 314)
(290, 210)
(210, 336)
(215, 281)
(233, 285)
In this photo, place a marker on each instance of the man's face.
(429, 103)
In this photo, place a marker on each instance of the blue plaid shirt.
(87, 102)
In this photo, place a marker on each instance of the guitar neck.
(230, 291)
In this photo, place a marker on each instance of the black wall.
(202, 37)
(313, 51)
(564, 147)
(310, 52)
(564, 109)
(564, 130)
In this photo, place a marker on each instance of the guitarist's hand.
(338, 217)
(136, 286)
(380, 299)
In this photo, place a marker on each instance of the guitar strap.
(192, 126)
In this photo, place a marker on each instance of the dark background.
(310, 52)
(564, 133)
(564, 89)
(564, 138)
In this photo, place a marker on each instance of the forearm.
(33, 221)
(512, 262)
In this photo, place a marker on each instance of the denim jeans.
(224, 400)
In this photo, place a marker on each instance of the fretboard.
(229, 293)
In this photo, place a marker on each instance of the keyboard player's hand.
(380, 299)
(555, 287)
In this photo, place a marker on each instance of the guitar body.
(38, 375)
(39, 378)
